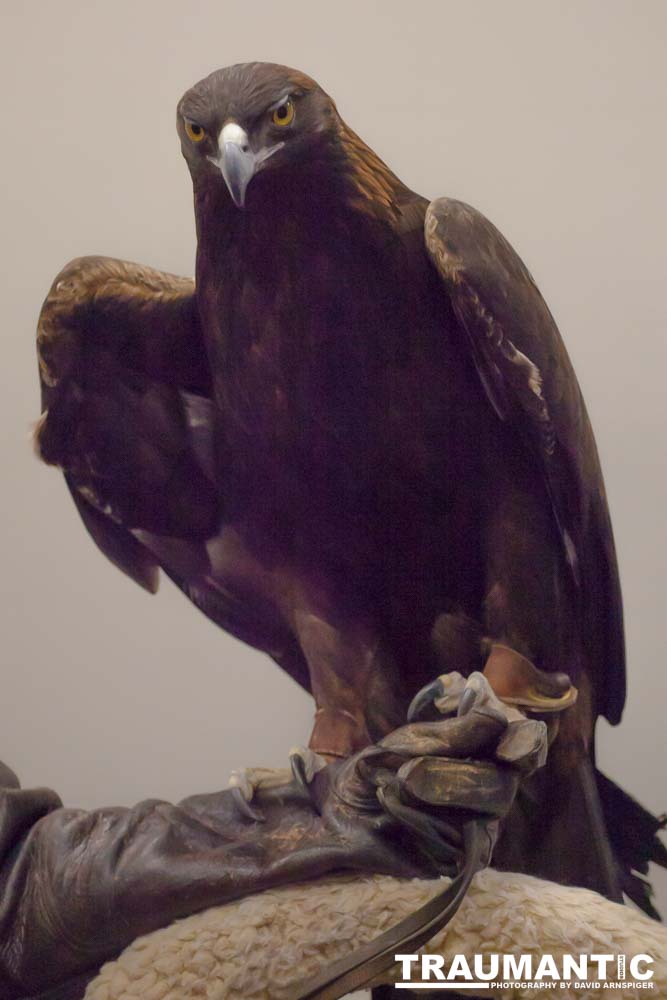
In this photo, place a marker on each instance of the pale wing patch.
(37, 431)
(523, 376)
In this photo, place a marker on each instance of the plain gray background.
(549, 117)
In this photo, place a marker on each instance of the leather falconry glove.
(77, 887)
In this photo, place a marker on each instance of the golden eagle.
(356, 441)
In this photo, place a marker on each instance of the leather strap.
(359, 969)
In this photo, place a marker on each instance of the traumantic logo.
(483, 972)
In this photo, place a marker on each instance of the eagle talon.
(243, 784)
(424, 699)
(304, 765)
(439, 697)
(244, 807)
(467, 701)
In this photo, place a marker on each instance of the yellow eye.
(284, 113)
(194, 131)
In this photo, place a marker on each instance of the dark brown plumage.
(357, 443)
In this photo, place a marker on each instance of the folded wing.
(529, 380)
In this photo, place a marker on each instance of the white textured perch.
(258, 948)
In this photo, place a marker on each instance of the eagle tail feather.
(634, 835)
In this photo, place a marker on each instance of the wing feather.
(125, 415)
(528, 377)
(128, 417)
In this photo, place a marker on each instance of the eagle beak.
(236, 161)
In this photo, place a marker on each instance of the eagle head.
(251, 118)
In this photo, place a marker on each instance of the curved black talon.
(298, 766)
(245, 808)
(425, 699)
(468, 699)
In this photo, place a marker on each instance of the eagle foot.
(516, 681)
(431, 778)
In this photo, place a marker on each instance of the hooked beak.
(237, 162)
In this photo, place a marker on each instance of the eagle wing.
(527, 375)
(124, 387)
(127, 415)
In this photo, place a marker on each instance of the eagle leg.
(350, 672)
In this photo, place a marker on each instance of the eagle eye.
(283, 114)
(194, 131)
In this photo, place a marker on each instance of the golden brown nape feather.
(376, 187)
